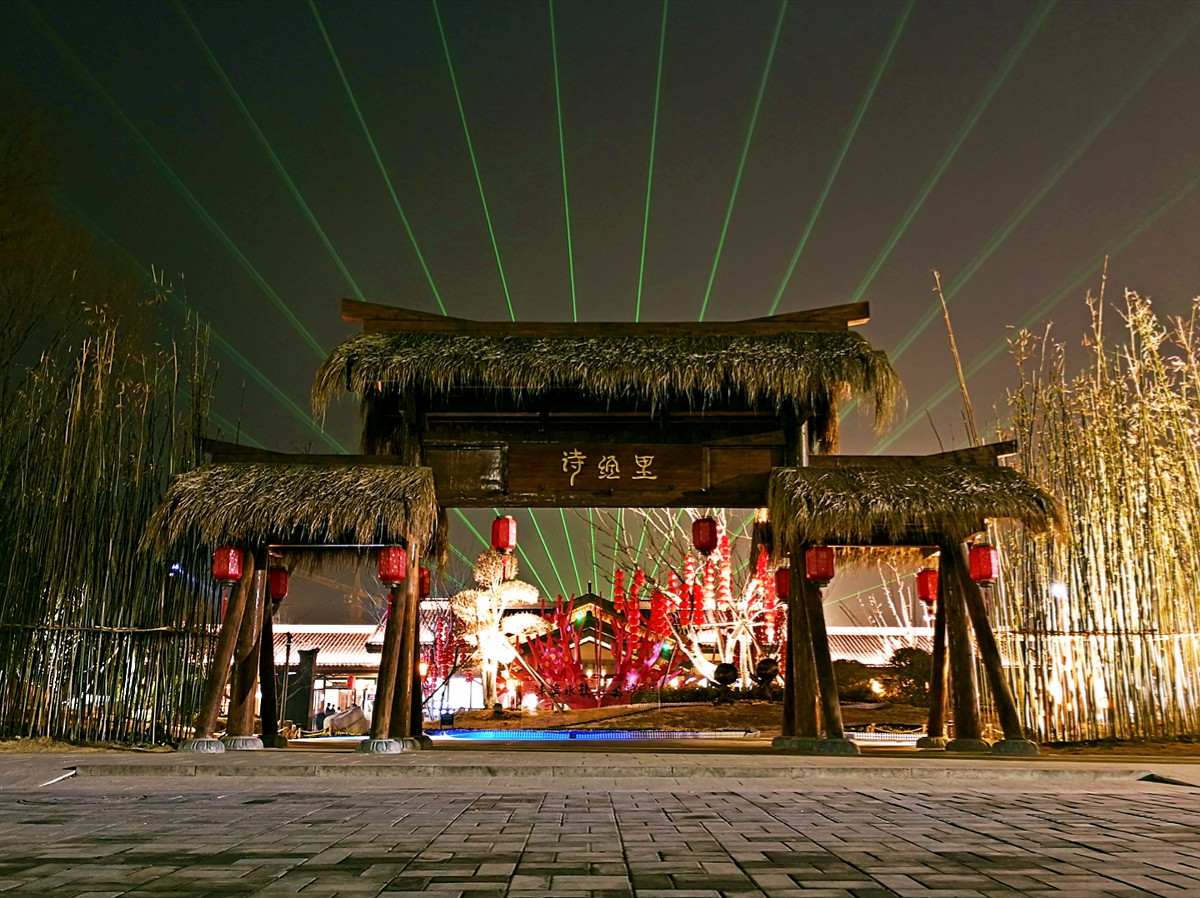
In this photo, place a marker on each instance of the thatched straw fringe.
(863, 503)
(803, 367)
(247, 504)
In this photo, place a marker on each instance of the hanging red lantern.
(704, 535)
(227, 564)
(277, 581)
(927, 585)
(351, 683)
(504, 534)
(985, 564)
(393, 562)
(783, 581)
(424, 581)
(818, 564)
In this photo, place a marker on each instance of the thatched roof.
(296, 504)
(810, 368)
(865, 503)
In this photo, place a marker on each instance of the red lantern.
(704, 535)
(504, 534)
(985, 564)
(424, 581)
(818, 564)
(350, 683)
(393, 562)
(927, 586)
(278, 583)
(783, 580)
(227, 564)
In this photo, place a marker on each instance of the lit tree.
(481, 620)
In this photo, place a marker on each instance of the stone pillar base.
(388, 746)
(424, 741)
(932, 742)
(1017, 747)
(202, 745)
(968, 745)
(275, 741)
(836, 747)
(242, 743)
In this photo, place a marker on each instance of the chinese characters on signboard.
(608, 467)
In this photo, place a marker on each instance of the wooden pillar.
(831, 708)
(935, 731)
(989, 653)
(385, 683)
(269, 703)
(965, 695)
(239, 735)
(789, 682)
(800, 644)
(218, 670)
(402, 718)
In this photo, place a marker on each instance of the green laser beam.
(85, 75)
(662, 40)
(1172, 198)
(185, 310)
(616, 546)
(1032, 26)
(562, 152)
(553, 566)
(236, 97)
(387, 180)
(521, 552)
(863, 592)
(737, 181)
(570, 549)
(1036, 195)
(592, 536)
(462, 114)
(637, 556)
(240, 432)
(880, 67)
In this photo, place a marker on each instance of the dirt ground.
(764, 718)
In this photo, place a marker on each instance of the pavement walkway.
(718, 821)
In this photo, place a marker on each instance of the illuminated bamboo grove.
(1102, 625)
(98, 641)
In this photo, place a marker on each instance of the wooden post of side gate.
(239, 734)
(967, 734)
(218, 670)
(835, 741)
(410, 646)
(801, 671)
(268, 705)
(385, 684)
(935, 730)
(1014, 741)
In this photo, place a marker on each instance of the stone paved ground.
(235, 837)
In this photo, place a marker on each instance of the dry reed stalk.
(1102, 626)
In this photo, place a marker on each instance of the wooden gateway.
(460, 413)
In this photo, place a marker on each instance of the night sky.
(723, 160)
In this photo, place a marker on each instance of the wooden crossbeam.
(378, 318)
